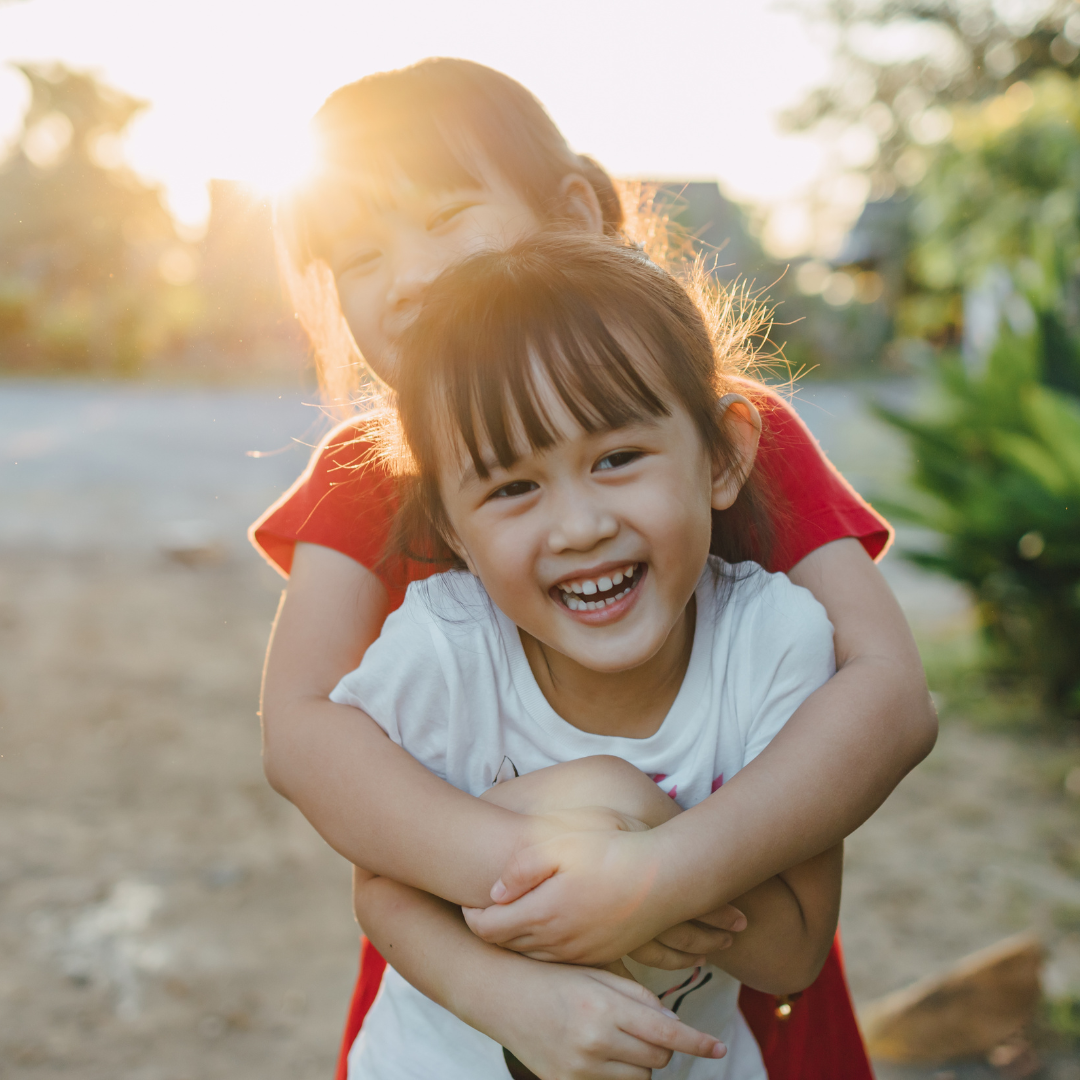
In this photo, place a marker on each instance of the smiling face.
(395, 246)
(594, 545)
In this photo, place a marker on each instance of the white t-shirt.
(449, 681)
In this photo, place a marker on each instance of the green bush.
(997, 475)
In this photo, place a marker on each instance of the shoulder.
(766, 607)
(453, 614)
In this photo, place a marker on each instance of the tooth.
(604, 584)
(588, 587)
(574, 605)
(565, 588)
(630, 571)
(616, 578)
(591, 605)
(576, 586)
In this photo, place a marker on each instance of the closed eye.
(616, 460)
(514, 489)
(358, 262)
(447, 214)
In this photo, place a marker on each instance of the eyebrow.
(470, 475)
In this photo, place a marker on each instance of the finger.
(695, 939)
(526, 869)
(669, 1033)
(725, 918)
(500, 925)
(654, 954)
(630, 1051)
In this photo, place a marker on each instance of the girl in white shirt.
(591, 659)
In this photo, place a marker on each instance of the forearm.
(427, 942)
(836, 759)
(791, 922)
(368, 798)
(822, 776)
(378, 807)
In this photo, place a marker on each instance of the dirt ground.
(165, 916)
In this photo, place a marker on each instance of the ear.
(450, 538)
(579, 204)
(742, 422)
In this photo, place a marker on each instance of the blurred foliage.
(999, 210)
(901, 65)
(81, 237)
(998, 472)
(95, 276)
(996, 241)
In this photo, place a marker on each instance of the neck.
(631, 703)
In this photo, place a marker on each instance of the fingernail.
(498, 891)
(739, 924)
(668, 1012)
(719, 1050)
(727, 942)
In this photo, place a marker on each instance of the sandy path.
(164, 916)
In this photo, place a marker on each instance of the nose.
(415, 267)
(579, 521)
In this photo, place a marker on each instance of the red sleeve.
(815, 504)
(343, 500)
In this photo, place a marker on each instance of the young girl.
(422, 167)
(572, 432)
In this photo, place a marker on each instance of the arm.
(791, 922)
(368, 798)
(562, 1022)
(835, 761)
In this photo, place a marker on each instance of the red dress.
(343, 501)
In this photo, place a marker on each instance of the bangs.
(499, 398)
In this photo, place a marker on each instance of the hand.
(708, 934)
(582, 1024)
(582, 898)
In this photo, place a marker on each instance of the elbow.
(922, 727)
(794, 975)
(274, 755)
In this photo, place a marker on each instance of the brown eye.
(616, 460)
(514, 489)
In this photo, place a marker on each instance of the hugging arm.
(369, 799)
(833, 763)
(564, 1023)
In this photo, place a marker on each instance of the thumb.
(525, 870)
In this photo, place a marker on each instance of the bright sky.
(687, 88)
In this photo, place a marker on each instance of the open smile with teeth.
(592, 594)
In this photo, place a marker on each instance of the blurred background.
(900, 177)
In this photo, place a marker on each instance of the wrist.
(688, 876)
(484, 997)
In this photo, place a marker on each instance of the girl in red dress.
(421, 167)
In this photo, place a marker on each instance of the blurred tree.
(995, 228)
(899, 65)
(92, 273)
(994, 274)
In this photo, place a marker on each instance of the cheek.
(500, 554)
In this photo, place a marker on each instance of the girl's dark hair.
(429, 123)
(617, 338)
